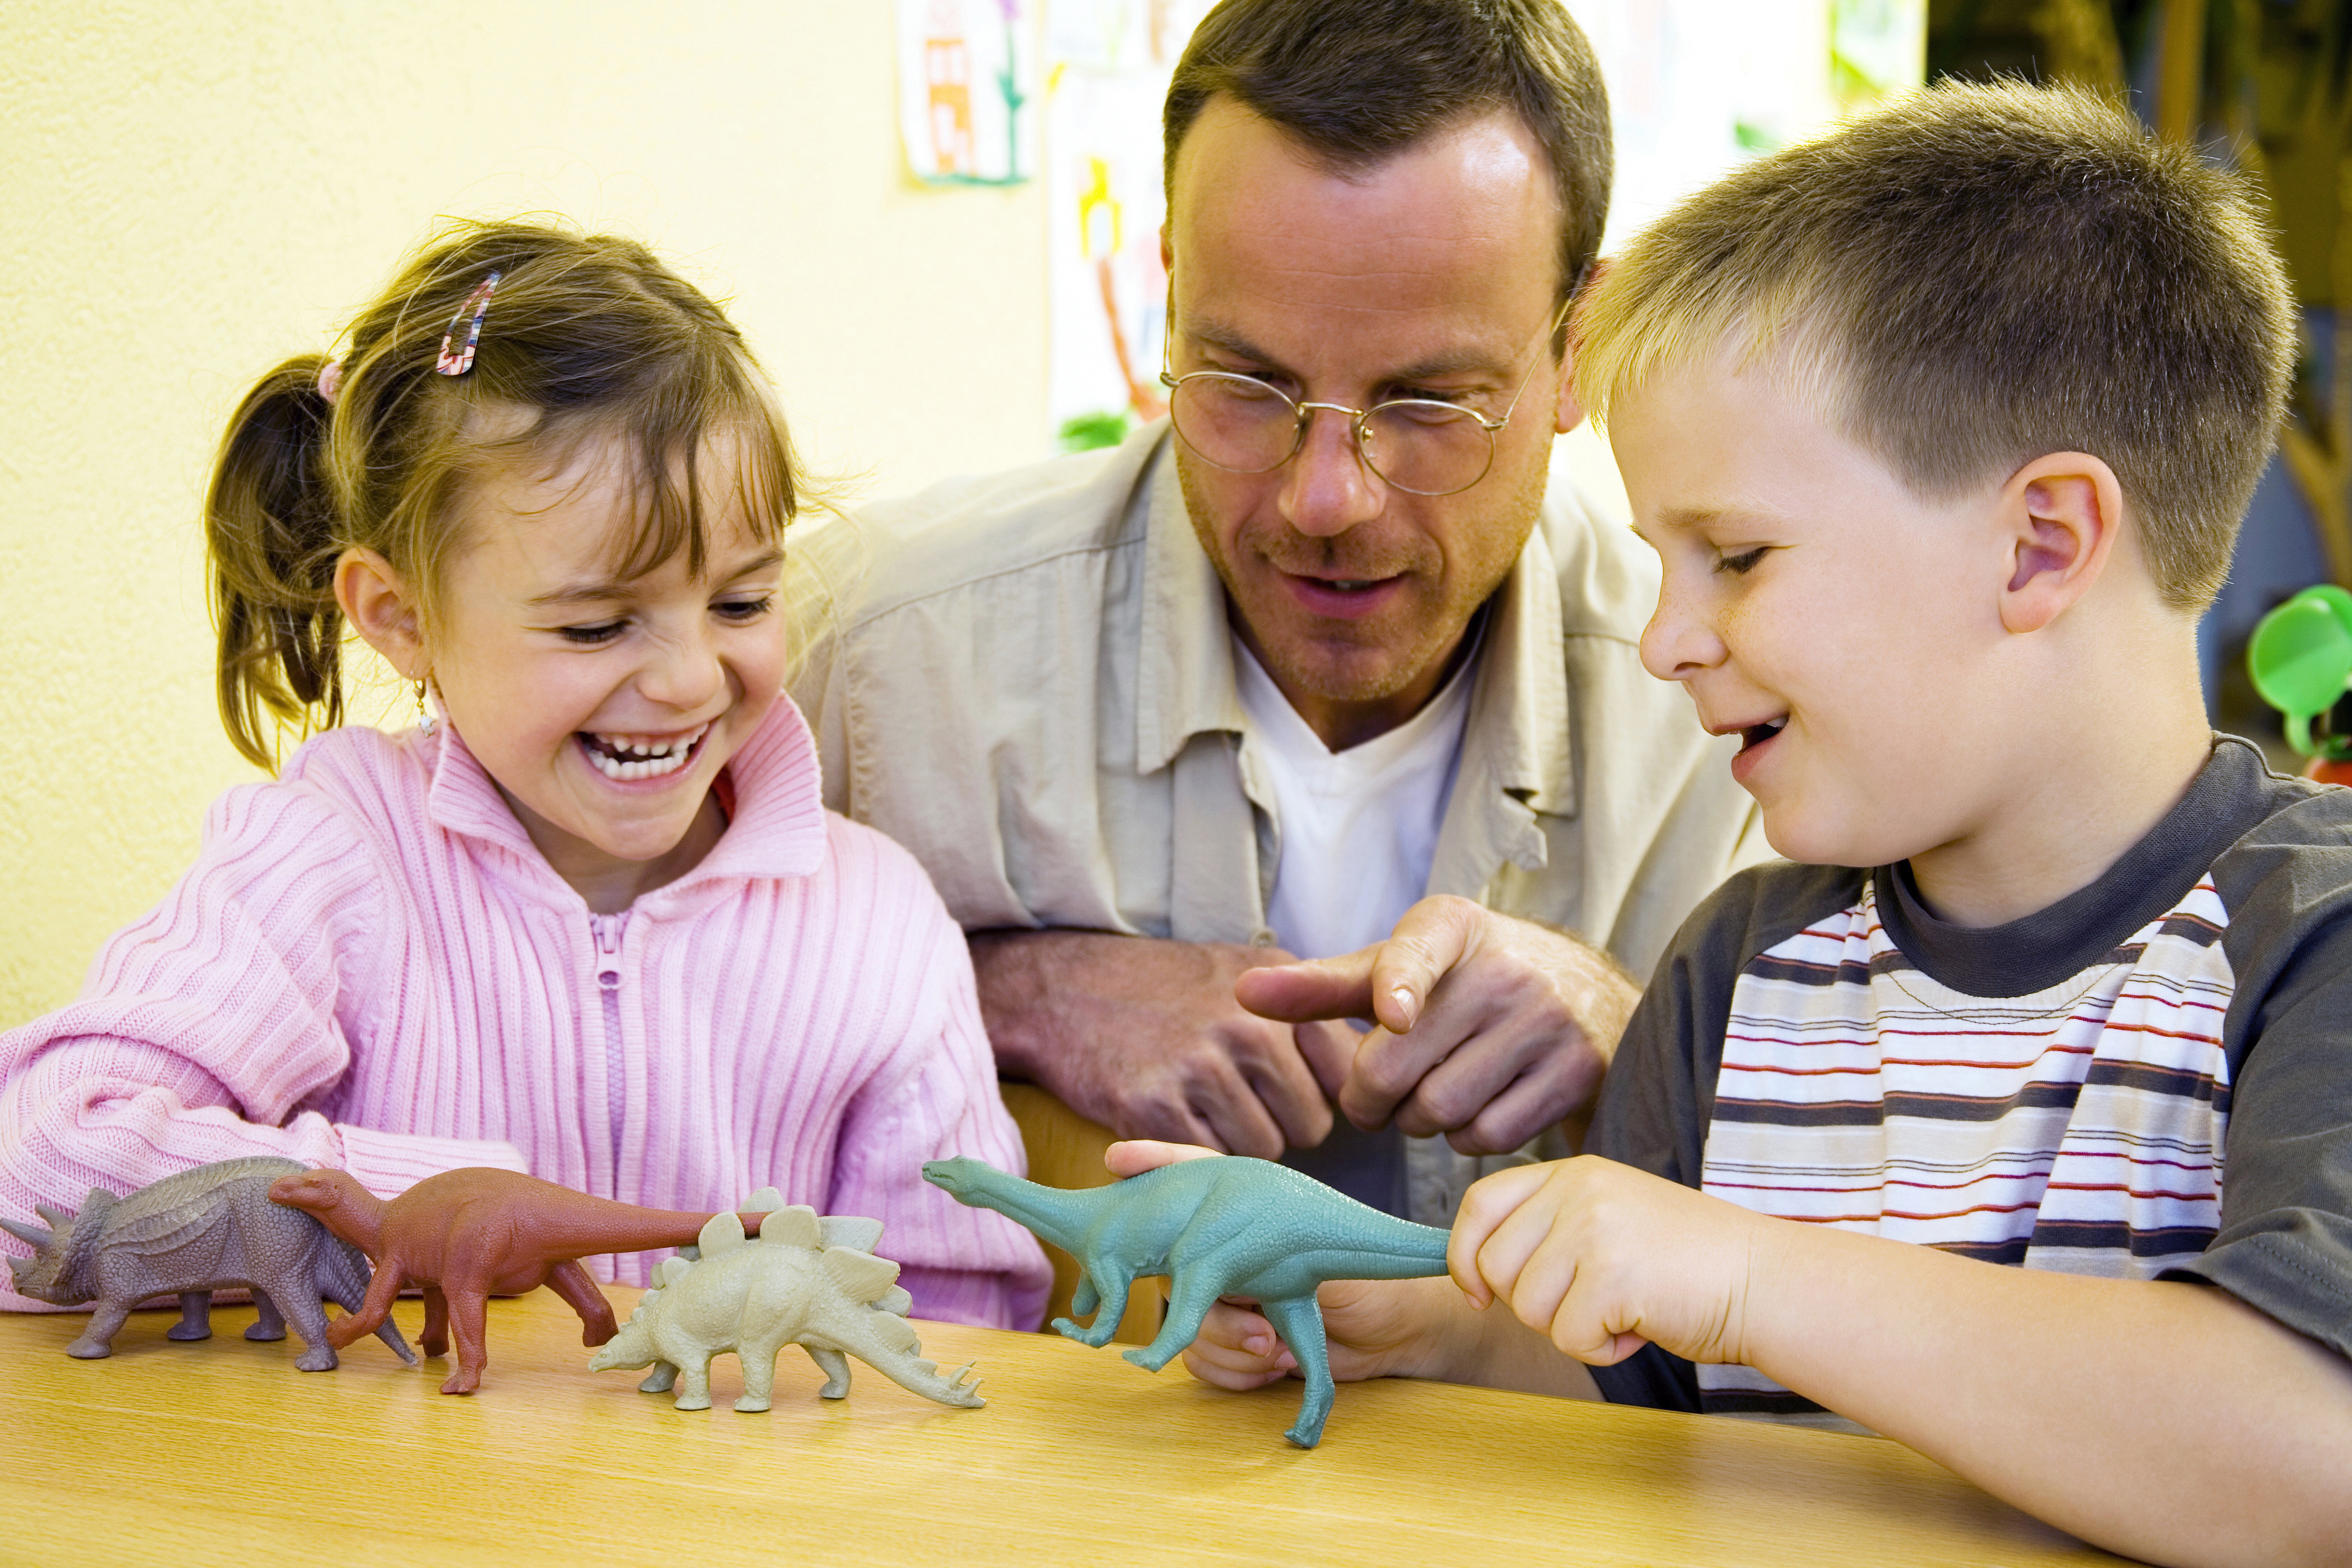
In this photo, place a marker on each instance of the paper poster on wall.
(1110, 61)
(967, 110)
(1698, 87)
(1695, 87)
(1878, 50)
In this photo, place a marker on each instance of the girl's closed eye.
(745, 608)
(1741, 563)
(595, 636)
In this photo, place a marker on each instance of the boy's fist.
(1602, 1259)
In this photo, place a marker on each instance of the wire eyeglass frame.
(1303, 413)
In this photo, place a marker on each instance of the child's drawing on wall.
(964, 70)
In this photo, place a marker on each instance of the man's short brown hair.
(1356, 81)
(1976, 276)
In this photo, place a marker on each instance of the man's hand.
(1601, 1258)
(1144, 1036)
(1491, 1029)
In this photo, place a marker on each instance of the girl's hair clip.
(457, 359)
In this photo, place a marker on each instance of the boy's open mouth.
(1755, 736)
(624, 758)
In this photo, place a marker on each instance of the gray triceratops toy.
(204, 1229)
(806, 1281)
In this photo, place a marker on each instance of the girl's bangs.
(724, 463)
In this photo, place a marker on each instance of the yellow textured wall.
(190, 191)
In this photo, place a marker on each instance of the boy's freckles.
(1813, 605)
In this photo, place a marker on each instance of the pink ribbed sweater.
(371, 966)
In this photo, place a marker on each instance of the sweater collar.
(777, 829)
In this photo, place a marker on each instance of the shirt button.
(1262, 937)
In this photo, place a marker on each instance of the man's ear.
(377, 601)
(1167, 254)
(2060, 518)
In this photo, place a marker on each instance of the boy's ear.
(376, 600)
(2061, 518)
(1569, 413)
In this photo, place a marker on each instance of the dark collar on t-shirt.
(2085, 927)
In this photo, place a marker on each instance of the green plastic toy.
(2301, 659)
(1227, 1227)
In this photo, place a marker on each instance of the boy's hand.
(1602, 1258)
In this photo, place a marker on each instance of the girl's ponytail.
(269, 521)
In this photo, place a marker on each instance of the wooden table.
(221, 1453)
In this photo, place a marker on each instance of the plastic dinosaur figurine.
(468, 1235)
(806, 1281)
(1227, 1227)
(202, 1230)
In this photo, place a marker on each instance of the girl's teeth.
(619, 771)
(645, 759)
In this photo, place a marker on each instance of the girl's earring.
(423, 714)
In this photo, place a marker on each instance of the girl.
(591, 921)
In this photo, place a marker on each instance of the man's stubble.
(1436, 637)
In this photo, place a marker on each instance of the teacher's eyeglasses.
(1419, 445)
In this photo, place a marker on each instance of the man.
(1250, 687)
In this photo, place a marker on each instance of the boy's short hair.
(1974, 277)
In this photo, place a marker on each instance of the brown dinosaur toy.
(467, 1236)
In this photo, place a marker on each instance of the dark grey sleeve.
(1660, 1094)
(2285, 1247)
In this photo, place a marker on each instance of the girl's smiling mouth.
(625, 758)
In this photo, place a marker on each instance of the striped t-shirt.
(2151, 1078)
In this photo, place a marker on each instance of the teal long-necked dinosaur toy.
(1227, 1226)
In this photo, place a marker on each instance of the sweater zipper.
(606, 929)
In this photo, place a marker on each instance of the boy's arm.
(2167, 1420)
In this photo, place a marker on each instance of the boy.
(1942, 427)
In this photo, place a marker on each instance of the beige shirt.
(1027, 680)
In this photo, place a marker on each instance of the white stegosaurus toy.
(806, 1281)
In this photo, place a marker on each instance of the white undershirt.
(1358, 829)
